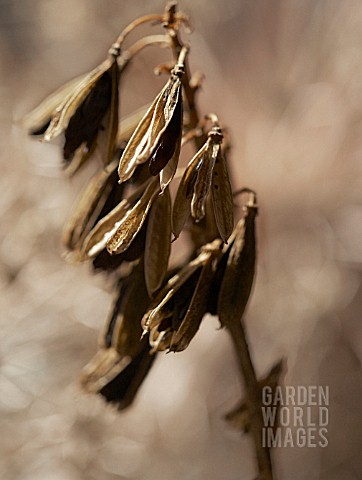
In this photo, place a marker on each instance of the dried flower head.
(79, 110)
(206, 172)
(157, 139)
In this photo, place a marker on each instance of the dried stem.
(236, 329)
(253, 394)
(177, 45)
(143, 43)
(153, 17)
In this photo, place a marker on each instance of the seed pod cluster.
(126, 214)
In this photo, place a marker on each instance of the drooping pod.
(85, 110)
(157, 138)
(174, 316)
(207, 171)
(238, 276)
(123, 361)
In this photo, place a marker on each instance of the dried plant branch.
(253, 398)
(132, 222)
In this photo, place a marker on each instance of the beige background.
(286, 77)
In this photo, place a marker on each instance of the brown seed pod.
(129, 225)
(158, 242)
(239, 273)
(78, 110)
(91, 200)
(97, 238)
(222, 198)
(156, 137)
(207, 170)
(174, 317)
(122, 363)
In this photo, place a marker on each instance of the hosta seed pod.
(158, 134)
(127, 228)
(122, 363)
(207, 170)
(239, 273)
(174, 317)
(89, 202)
(97, 238)
(78, 110)
(158, 242)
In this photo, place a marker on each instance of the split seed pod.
(239, 272)
(91, 200)
(117, 230)
(122, 363)
(174, 317)
(206, 171)
(78, 110)
(157, 138)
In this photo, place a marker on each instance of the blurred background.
(286, 77)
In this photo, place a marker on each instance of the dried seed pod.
(122, 363)
(239, 273)
(222, 198)
(207, 169)
(107, 262)
(158, 242)
(78, 111)
(89, 202)
(127, 228)
(182, 205)
(158, 133)
(204, 177)
(97, 239)
(174, 317)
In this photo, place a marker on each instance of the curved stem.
(146, 42)
(152, 17)
(253, 394)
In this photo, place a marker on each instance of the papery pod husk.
(155, 314)
(118, 369)
(165, 149)
(171, 109)
(239, 417)
(123, 387)
(158, 242)
(69, 106)
(196, 309)
(147, 134)
(204, 179)
(205, 231)
(123, 327)
(239, 273)
(87, 205)
(131, 223)
(128, 124)
(182, 205)
(37, 121)
(169, 171)
(107, 262)
(107, 133)
(80, 158)
(86, 122)
(97, 238)
(222, 198)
